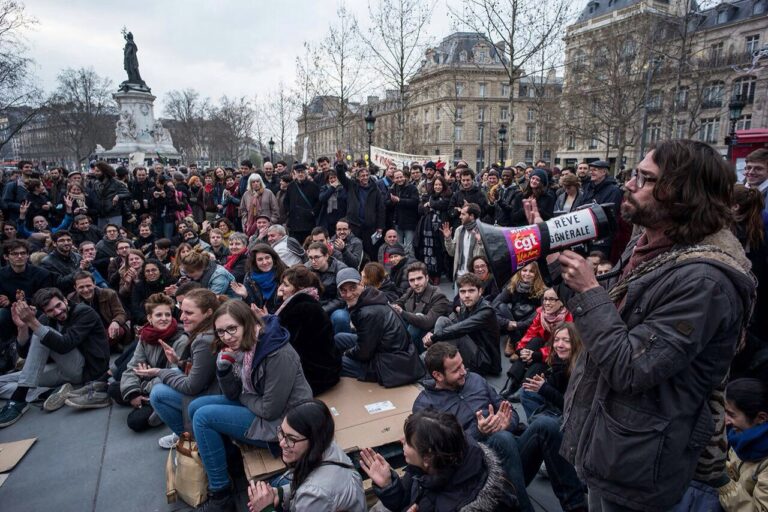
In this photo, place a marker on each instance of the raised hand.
(23, 207)
(446, 230)
(376, 467)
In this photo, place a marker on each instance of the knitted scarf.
(751, 444)
(152, 336)
(232, 259)
(550, 320)
(266, 282)
(523, 288)
(467, 230)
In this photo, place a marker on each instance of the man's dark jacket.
(479, 323)
(407, 209)
(374, 214)
(301, 200)
(422, 311)
(64, 268)
(639, 405)
(32, 279)
(81, 331)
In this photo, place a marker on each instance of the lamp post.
(502, 138)
(271, 150)
(735, 108)
(370, 121)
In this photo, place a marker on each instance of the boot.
(218, 501)
(509, 388)
(509, 348)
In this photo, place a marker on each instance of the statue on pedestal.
(131, 65)
(125, 131)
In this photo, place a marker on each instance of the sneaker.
(90, 387)
(168, 442)
(56, 400)
(11, 413)
(91, 400)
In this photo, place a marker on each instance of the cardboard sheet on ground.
(365, 414)
(11, 453)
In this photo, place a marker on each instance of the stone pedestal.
(137, 131)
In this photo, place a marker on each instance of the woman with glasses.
(534, 347)
(321, 476)
(262, 379)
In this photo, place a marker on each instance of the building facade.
(638, 71)
(455, 104)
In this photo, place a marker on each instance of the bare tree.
(397, 39)
(231, 126)
(189, 113)
(521, 30)
(82, 110)
(280, 114)
(345, 76)
(16, 87)
(309, 84)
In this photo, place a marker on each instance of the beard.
(648, 216)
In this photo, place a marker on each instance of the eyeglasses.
(641, 178)
(290, 440)
(550, 299)
(18, 254)
(151, 270)
(231, 331)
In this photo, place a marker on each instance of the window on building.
(481, 87)
(504, 113)
(426, 115)
(458, 131)
(712, 95)
(723, 16)
(759, 7)
(530, 133)
(462, 56)
(709, 131)
(481, 113)
(593, 143)
(523, 91)
(437, 113)
(601, 57)
(681, 130)
(459, 88)
(716, 53)
(459, 113)
(655, 99)
(480, 131)
(745, 87)
(531, 114)
(505, 90)
(480, 157)
(744, 122)
(426, 132)
(752, 43)
(571, 143)
(654, 132)
(458, 154)
(547, 155)
(528, 155)
(681, 98)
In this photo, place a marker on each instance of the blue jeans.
(341, 321)
(214, 416)
(541, 442)
(505, 446)
(416, 335)
(531, 402)
(349, 366)
(405, 237)
(168, 404)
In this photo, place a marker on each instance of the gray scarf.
(467, 230)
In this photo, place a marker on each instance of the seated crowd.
(222, 303)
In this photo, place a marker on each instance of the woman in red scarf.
(161, 345)
(238, 256)
(231, 200)
(533, 349)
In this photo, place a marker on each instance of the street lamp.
(735, 108)
(370, 121)
(502, 138)
(271, 150)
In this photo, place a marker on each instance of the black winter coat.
(407, 209)
(517, 307)
(374, 211)
(382, 340)
(312, 338)
(545, 203)
(329, 298)
(472, 195)
(481, 326)
(301, 200)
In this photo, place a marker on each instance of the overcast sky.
(233, 47)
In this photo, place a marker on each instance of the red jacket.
(536, 330)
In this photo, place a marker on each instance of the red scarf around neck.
(152, 336)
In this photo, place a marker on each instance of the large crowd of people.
(221, 302)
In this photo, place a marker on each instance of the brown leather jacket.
(108, 306)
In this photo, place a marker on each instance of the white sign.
(378, 407)
(572, 228)
(382, 158)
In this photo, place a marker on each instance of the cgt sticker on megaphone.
(524, 245)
